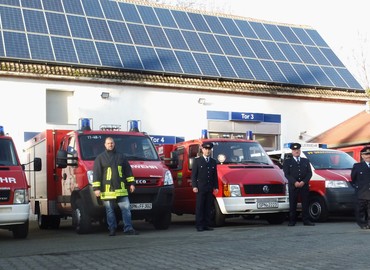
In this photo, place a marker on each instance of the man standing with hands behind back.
(360, 176)
(205, 184)
(298, 172)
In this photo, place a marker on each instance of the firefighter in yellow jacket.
(112, 174)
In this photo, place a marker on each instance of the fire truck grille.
(264, 189)
(4, 195)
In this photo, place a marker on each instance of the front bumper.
(248, 205)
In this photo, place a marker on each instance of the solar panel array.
(135, 37)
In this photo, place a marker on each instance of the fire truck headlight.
(20, 196)
(235, 191)
(336, 184)
(168, 180)
(90, 177)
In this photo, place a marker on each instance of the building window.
(58, 107)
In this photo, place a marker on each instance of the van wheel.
(218, 219)
(20, 230)
(317, 209)
(81, 220)
(42, 221)
(162, 221)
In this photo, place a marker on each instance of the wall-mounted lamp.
(104, 95)
(202, 101)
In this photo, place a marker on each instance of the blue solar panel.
(53, 5)
(92, 8)
(129, 57)
(73, 7)
(148, 16)
(40, 47)
(86, 52)
(150, 59)
(138, 37)
(31, 4)
(158, 37)
(11, 18)
(188, 63)
(57, 24)
(16, 45)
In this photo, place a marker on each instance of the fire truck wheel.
(218, 219)
(317, 209)
(42, 221)
(162, 221)
(276, 218)
(20, 230)
(81, 220)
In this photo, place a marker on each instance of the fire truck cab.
(14, 199)
(249, 183)
(330, 188)
(64, 187)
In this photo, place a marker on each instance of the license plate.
(141, 206)
(267, 204)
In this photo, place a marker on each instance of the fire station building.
(177, 71)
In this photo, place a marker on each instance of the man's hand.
(132, 188)
(195, 190)
(215, 191)
(97, 193)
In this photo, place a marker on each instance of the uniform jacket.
(111, 174)
(204, 174)
(360, 175)
(297, 172)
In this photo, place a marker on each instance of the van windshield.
(133, 147)
(8, 155)
(326, 159)
(240, 152)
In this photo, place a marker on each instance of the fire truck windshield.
(327, 159)
(240, 152)
(8, 155)
(133, 147)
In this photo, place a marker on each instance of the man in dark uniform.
(205, 184)
(298, 172)
(360, 175)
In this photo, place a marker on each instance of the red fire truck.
(14, 200)
(63, 188)
(250, 185)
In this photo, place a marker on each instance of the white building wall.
(161, 111)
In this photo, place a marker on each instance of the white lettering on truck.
(8, 180)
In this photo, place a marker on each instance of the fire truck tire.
(317, 209)
(20, 231)
(162, 221)
(276, 218)
(42, 221)
(218, 218)
(81, 220)
(54, 222)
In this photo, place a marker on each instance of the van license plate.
(267, 204)
(141, 206)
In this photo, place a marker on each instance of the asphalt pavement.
(242, 244)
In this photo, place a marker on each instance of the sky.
(343, 24)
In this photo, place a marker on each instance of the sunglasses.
(366, 154)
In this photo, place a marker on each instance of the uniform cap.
(295, 146)
(366, 149)
(208, 145)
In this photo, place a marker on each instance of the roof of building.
(353, 131)
(114, 36)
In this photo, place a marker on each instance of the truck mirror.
(61, 159)
(37, 164)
